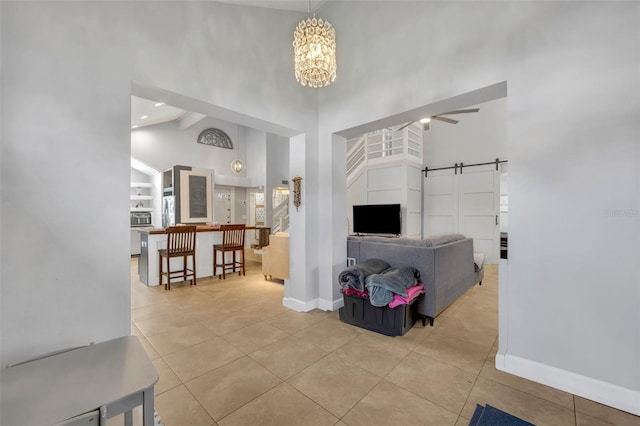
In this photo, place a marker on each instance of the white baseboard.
(329, 305)
(596, 390)
(298, 305)
(325, 305)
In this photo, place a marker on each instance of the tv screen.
(377, 219)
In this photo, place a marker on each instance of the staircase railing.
(383, 146)
(280, 217)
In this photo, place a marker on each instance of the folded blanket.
(412, 293)
(383, 286)
(349, 291)
(354, 277)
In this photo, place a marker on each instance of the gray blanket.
(354, 277)
(383, 286)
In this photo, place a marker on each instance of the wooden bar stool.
(181, 242)
(233, 241)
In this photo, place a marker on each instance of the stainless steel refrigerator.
(168, 211)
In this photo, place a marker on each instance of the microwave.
(140, 218)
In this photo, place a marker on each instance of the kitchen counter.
(152, 240)
(135, 238)
(199, 228)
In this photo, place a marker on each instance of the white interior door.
(223, 205)
(479, 209)
(465, 203)
(441, 203)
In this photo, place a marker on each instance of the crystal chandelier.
(314, 49)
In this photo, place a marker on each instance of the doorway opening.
(172, 143)
(456, 203)
(451, 200)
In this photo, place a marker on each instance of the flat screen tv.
(377, 219)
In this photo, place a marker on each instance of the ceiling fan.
(440, 117)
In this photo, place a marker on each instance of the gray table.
(113, 377)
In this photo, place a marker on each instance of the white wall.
(65, 170)
(277, 170)
(573, 82)
(256, 154)
(356, 195)
(65, 276)
(277, 160)
(571, 161)
(138, 176)
(477, 138)
(165, 145)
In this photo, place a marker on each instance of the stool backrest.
(233, 235)
(181, 239)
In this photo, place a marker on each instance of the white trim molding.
(298, 305)
(325, 305)
(328, 305)
(596, 390)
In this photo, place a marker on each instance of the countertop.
(199, 228)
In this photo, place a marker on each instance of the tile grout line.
(412, 392)
(243, 405)
(466, 401)
(333, 351)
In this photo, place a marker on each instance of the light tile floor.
(229, 353)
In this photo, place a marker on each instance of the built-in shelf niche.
(141, 197)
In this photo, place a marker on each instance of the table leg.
(147, 407)
(128, 418)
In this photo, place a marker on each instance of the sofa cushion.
(439, 240)
(433, 241)
(413, 242)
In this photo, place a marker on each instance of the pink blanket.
(349, 291)
(412, 293)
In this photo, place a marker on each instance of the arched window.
(215, 137)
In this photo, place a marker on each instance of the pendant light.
(314, 49)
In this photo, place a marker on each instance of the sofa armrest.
(454, 271)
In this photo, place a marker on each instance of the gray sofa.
(446, 265)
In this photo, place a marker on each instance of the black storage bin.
(396, 321)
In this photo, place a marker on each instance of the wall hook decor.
(296, 191)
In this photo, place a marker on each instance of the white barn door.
(467, 203)
(440, 203)
(479, 209)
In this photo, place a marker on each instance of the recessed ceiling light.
(142, 117)
(159, 104)
(425, 120)
(134, 127)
